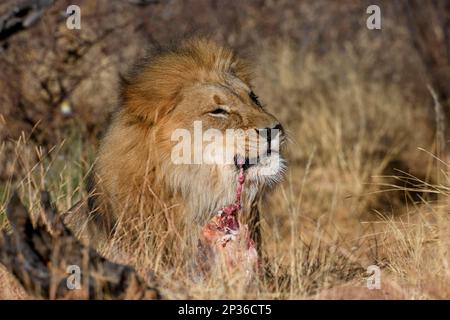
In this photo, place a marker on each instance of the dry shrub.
(347, 129)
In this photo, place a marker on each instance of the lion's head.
(198, 85)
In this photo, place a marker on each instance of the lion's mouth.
(250, 162)
(245, 162)
(268, 166)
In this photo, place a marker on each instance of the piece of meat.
(225, 242)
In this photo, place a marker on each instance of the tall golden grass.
(367, 184)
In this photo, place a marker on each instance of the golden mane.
(163, 75)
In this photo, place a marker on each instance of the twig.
(38, 256)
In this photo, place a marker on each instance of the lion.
(136, 189)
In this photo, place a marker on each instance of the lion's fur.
(160, 79)
(136, 190)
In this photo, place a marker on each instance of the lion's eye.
(219, 112)
(255, 99)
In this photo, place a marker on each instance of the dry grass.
(344, 204)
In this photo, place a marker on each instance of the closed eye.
(255, 99)
(219, 112)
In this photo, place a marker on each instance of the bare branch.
(143, 2)
(39, 256)
(22, 16)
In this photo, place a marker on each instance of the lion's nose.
(277, 130)
(271, 134)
